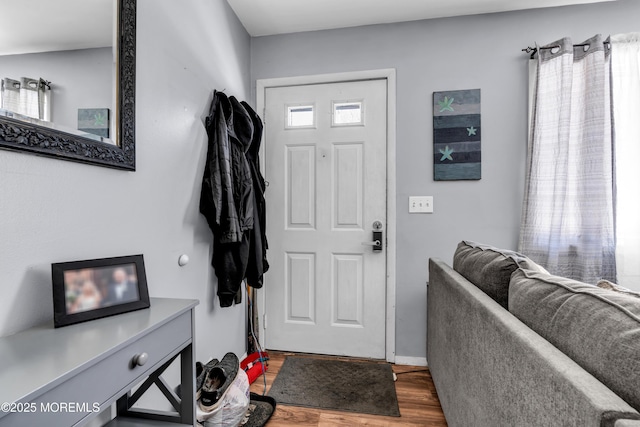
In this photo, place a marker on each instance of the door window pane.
(300, 116)
(347, 113)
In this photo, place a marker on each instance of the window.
(348, 113)
(300, 116)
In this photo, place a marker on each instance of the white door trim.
(389, 75)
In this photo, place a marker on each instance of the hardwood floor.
(417, 399)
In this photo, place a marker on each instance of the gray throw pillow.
(490, 268)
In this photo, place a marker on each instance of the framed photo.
(91, 289)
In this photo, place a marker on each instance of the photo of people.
(92, 288)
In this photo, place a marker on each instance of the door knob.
(374, 243)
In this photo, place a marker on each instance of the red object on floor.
(255, 365)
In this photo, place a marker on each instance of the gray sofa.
(491, 366)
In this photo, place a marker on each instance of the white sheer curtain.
(10, 94)
(625, 75)
(28, 97)
(568, 219)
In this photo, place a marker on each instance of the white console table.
(66, 376)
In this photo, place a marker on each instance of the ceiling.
(46, 25)
(267, 17)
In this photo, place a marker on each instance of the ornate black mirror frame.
(22, 136)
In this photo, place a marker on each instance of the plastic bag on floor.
(232, 406)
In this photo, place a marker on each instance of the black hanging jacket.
(226, 198)
(258, 264)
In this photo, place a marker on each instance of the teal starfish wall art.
(456, 135)
(94, 120)
(445, 104)
(446, 154)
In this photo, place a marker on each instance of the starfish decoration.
(446, 104)
(446, 154)
(99, 119)
(471, 130)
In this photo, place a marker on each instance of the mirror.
(42, 138)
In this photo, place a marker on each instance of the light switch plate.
(421, 204)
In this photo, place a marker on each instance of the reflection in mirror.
(69, 91)
(55, 86)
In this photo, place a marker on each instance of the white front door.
(326, 165)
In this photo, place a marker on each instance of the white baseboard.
(413, 361)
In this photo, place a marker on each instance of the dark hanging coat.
(226, 198)
(258, 264)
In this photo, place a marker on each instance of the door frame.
(389, 75)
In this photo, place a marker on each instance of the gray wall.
(79, 79)
(471, 52)
(52, 210)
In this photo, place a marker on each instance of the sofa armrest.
(489, 368)
(627, 423)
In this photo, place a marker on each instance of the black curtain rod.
(534, 50)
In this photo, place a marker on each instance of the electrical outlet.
(421, 204)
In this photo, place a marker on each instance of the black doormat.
(362, 387)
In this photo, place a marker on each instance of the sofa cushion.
(597, 328)
(490, 268)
